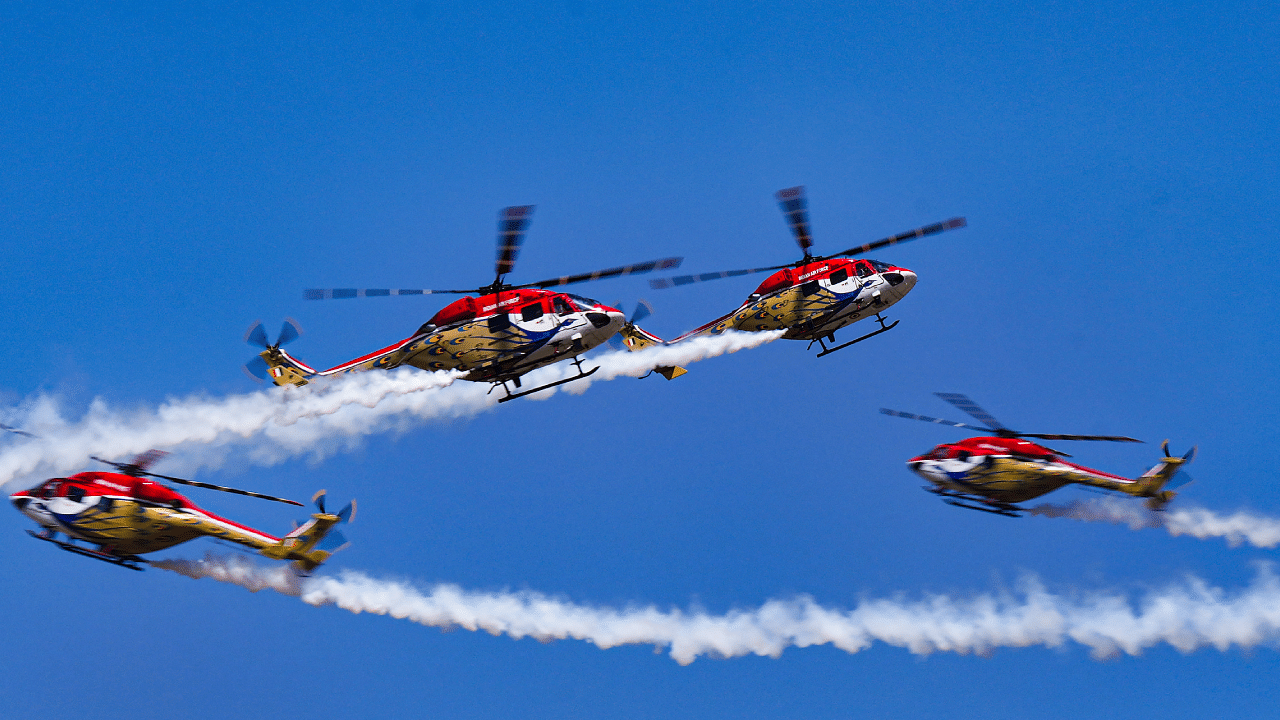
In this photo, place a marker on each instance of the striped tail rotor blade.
(795, 207)
(512, 222)
(936, 421)
(677, 281)
(969, 406)
(934, 229)
(670, 263)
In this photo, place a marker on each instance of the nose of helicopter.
(924, 468)
(901, 280)
(20, 500)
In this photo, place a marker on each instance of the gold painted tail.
(283, 369)
(1151, 484)
(637, 339)
(315, 541)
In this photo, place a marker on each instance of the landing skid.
(512, 396)
(1005, 511)
(883, 328)
(128, 561)
(955, 498)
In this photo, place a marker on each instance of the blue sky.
(172, 175)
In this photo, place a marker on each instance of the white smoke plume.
(271, 425)
(1237, 528)
(1187, 616)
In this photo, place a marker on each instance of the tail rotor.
(259, 367)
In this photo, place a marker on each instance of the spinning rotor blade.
(258, 369)
(1111, 438)
(289, 332)
(147, 459)
(136, 468)
(257, 335)
(347, 293)
(670, 263)
(796, 209)
(207, 486)
(642, 311)
(964, 403)
(14, 430)
(665, 283)
(926, 418)
(1180, 479)
(934, 229)
(512, 222)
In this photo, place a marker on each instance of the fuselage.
(815, 299)
(1007, 470)
(497, 337)
(126, 515)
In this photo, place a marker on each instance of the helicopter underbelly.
(495, 355)
(1002, 478)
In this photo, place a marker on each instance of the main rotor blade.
(796, 209)
(207, 486)
(934, 229)
(670, 263)
(939, 421)
(512, 223)
(14, 430)
(964, 403)
(147, 459)
(665, 283)
(347, 293)
(1110, 438)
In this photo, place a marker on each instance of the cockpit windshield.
(583, 303)
(879, 266)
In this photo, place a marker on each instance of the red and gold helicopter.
(496, 337)
(998, 471)
(813, 297)
(122, 515)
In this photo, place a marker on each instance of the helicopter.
(122, 515)
(496, 337)
(991, 474)
(813, 297)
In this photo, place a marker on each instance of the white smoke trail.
(1187, 616)
(271, 425)
(1237, 528)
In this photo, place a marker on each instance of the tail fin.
(283, 369)
(1151, 484)
(636, 339)
(309, 545)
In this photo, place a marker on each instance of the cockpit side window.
(864, 269)
(75, 494)
(880, 266)
(531, 312)
(839, 276)
(562, 307)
